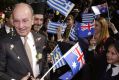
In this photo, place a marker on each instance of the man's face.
(38, 19)
(38, 22)
(70, 21)
(22, 20)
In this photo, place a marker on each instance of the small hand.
(112, 26)
(49, 59)
(93, 42)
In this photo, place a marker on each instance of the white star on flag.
(74, 65)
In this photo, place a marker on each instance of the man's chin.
(23, 34)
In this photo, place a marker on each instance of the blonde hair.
(104, 34)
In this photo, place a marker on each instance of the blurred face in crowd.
(9, 21)
(97, 27)
(22, 19)
(112, 55)
(38, 21)
(70, 21)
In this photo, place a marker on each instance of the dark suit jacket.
(105, 76)
(3, 32)
(14, 62)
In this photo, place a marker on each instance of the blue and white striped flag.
(88, 17)
(63, 6)
(52, 27)
(72, 34)
(56, 55)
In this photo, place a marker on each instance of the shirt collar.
(115, 70)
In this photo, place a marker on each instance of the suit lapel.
(37, 41)
(21, 53)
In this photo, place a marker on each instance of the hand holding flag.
(85, 29)
(75, 59)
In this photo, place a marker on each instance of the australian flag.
(56, 55)
(63, 6)
(100, 9)
(75, 58)
(85, 29)
(72, 34)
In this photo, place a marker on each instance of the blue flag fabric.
(66, 76)
(100, 9)
(75, 58)
(63, 6)
(56, 55)
(85, 29)
(72, 34)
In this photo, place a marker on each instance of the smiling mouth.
(22, 30)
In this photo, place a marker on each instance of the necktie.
(28, 50)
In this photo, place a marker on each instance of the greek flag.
(56, 55)
(72, 34)
(63, 6)
(52, 27)
(88, 17)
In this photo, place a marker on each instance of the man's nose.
(20, 25)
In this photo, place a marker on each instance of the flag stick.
(51, 68)
(108, 12)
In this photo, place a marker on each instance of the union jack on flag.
(63, 6)
(85, 29)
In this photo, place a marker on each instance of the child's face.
(112, 55)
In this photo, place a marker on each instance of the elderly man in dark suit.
(21, 57)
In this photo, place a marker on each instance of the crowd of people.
(25, 46)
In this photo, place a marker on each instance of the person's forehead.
(22, 9)
(111, 48)
(38, 15)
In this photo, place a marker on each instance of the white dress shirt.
(115, 70)
(31, 43)
(7, 29)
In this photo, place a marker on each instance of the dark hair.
(115, 43)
